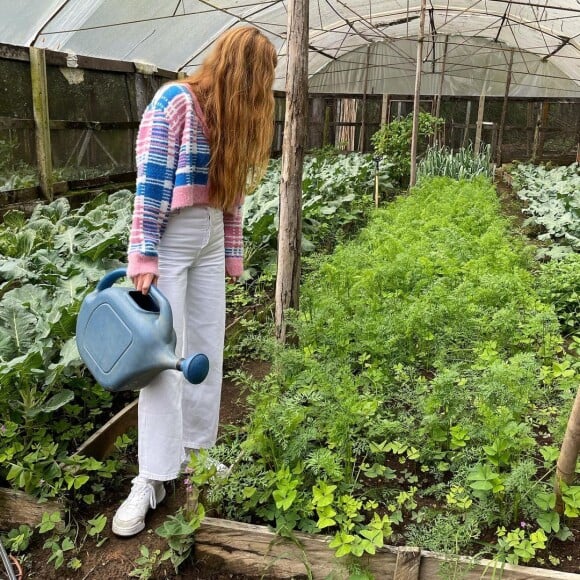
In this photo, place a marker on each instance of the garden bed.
(426, 409)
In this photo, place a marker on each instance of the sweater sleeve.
(234, 241)
(157, 155)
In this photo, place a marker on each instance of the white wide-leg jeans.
(174, 414)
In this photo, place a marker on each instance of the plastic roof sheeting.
(545, 38)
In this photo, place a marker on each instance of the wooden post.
(529, 128)
(408, 564)
(479, 126)
(290, 234)
(326, 140)
(417, 96)
(41, 120)
(466, 128)
(363, 127)
(316, 132)
(504, 109)
(385, 108)
(441, 77)
(141, 96)
(566, 466)
(541, 122)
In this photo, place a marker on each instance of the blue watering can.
(126, 338)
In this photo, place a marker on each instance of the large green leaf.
(55, 402)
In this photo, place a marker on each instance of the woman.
(202, 145)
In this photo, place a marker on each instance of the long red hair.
(234, 88)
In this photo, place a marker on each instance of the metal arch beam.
(54, 14)
(461, 10)
(565, 41)
(503, 19)
(491, 46)
(235, 19)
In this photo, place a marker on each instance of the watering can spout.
(194, 368)
(126, 338)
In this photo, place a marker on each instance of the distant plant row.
(552, 197)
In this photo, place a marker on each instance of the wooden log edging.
(257, 551)
(17, 507)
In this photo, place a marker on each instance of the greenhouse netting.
(471, 41)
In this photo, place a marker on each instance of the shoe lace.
(141, 491)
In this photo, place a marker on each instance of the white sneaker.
(130, 517)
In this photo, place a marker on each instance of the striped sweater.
(172, 172)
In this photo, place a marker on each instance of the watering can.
(126, 338)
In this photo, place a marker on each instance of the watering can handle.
(165, 314)
(110, 278)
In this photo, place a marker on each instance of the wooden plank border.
(256, 551)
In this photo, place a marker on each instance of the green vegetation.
(559, 284)
(393, 141)
(422, 398)
(553, 203)
(337, 193)
(461, 164)
(426, 374)
(49, 403)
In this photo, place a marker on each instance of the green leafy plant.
(559, 284)
(462, 164)
(50, 403)
(552, 198)
(18, 539)
(95, 527)
(393, 141)
(147, 562)
(519, 545)
(178, 530)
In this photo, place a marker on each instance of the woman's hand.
(143, 282)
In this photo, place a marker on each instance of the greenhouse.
(399, 396)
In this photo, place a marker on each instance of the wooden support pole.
(41, 120)
(417, 95)
(290, 229)
(539, 134)
(566, 466)
(439, 133)
(316, 129)
(363, 127)
(141, 94)
(504, 107)
(479, 126)
(385, 108)
(466, 128)
(441, 77)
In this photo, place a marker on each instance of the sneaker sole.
(138, 527)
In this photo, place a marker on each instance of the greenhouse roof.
(354, 46)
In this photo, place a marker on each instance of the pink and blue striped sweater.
(172, 172)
